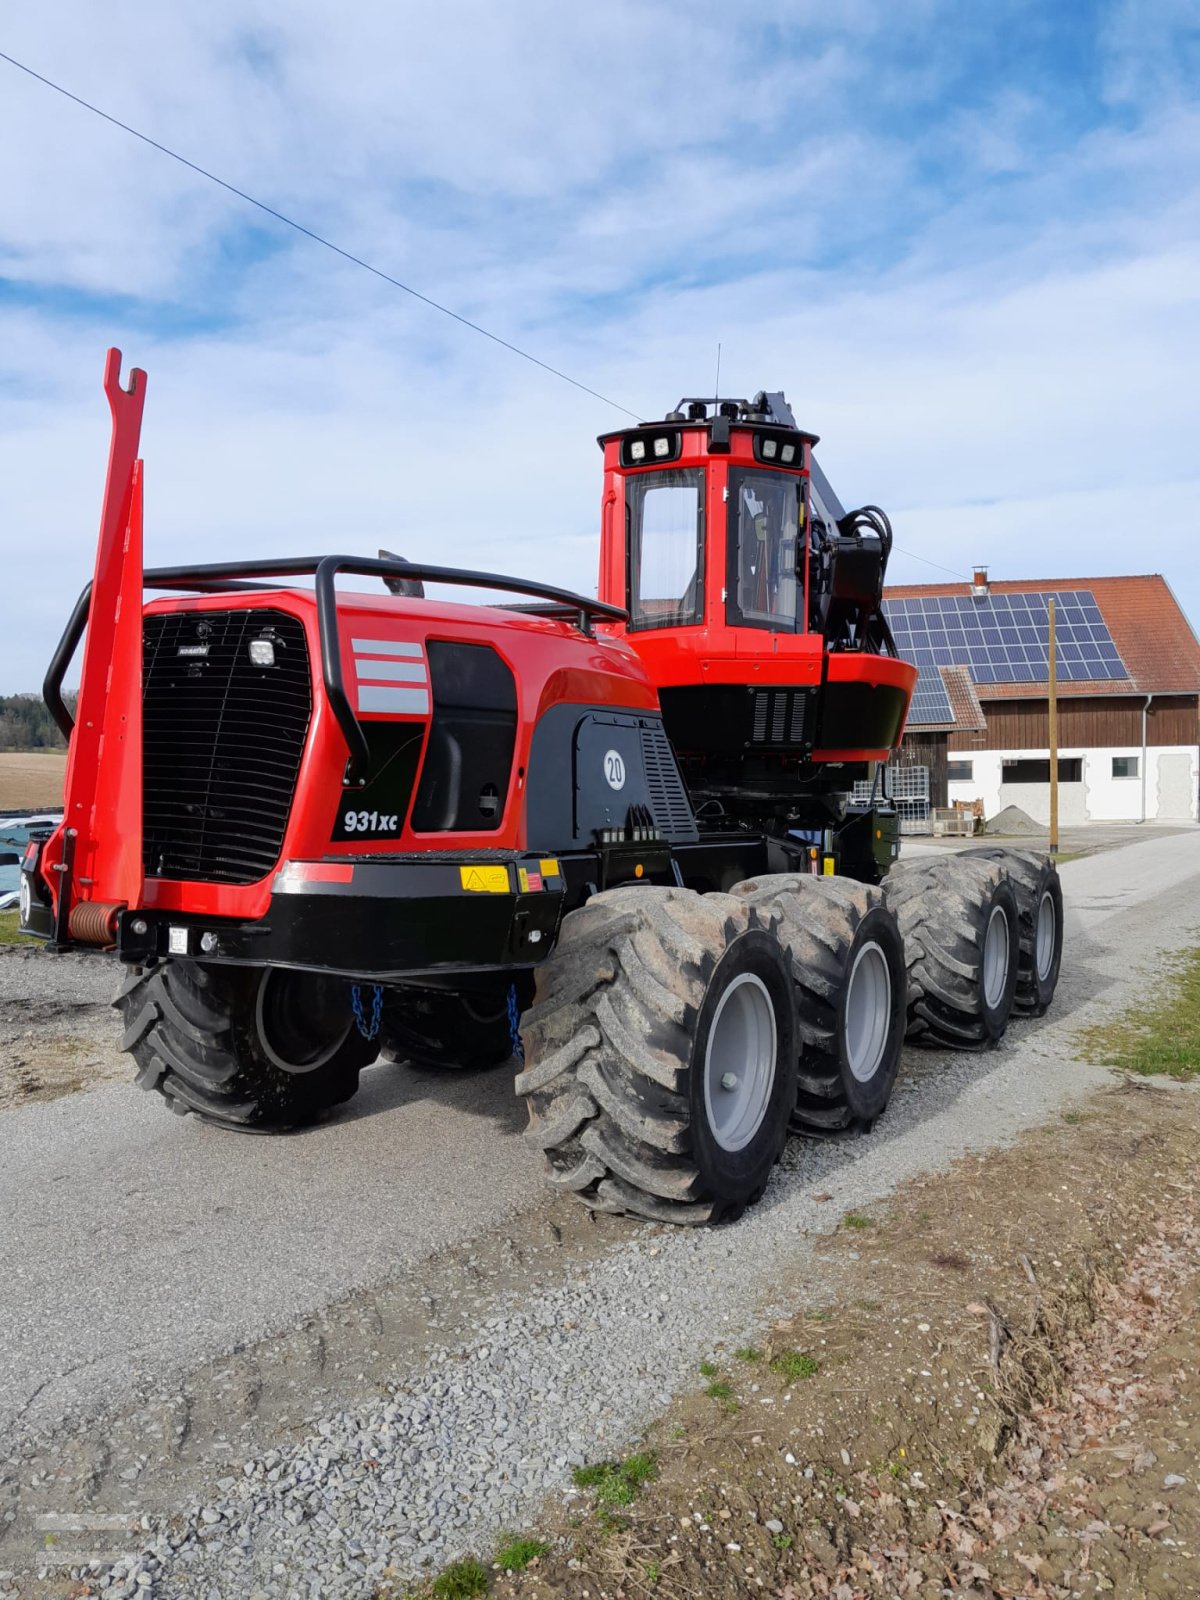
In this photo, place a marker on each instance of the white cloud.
(1005, 359)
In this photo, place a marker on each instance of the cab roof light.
(661, 445)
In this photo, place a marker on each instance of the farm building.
(1128, 697)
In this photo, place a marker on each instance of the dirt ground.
(37, 1063)
(1004, 1400)
(58, 1033)
(31, 779)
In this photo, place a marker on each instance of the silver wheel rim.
(739, 1063)
(868, 1012)
(1044, 939)
(995, 958)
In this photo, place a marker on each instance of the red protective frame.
(102, 798)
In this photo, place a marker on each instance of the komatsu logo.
(392, 676)
(192, 650)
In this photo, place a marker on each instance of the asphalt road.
(133, 1241)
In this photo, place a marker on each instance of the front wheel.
(660, 1055)
(257, 1049)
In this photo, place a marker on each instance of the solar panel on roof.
(1000, 639)
(930, 702)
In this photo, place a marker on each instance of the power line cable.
(317, 238)
(912, 555)
(358, 261)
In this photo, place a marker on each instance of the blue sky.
(965, 239)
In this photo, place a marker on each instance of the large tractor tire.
(847, 960)
(445, 1030)
(959, 921)
(1035, 882)
(250, 1048)
(660, 1054)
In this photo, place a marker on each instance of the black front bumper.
(378, 920)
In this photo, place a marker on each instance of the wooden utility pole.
(1053, 707)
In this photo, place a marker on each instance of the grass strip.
(1159, 1036)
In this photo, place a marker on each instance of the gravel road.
(138, 1246)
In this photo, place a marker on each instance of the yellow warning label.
(523, 880)
(550, 869)
(484, 879)
(830, 868)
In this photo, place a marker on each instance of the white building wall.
(1172, 785)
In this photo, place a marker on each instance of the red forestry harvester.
(317, 825)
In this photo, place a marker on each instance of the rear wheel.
(1036, 884)
(446, 1029)
(958, 917)
(250, 1048)
(847, 962)
(660, 1054)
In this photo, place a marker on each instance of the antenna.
(717, 390)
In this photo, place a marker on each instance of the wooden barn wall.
(927, 750)
(1096, 722)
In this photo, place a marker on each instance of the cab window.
(765, 529)
(664, 519)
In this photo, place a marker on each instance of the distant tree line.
(25, 724)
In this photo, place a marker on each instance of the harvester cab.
(320, 825)
(755, 602)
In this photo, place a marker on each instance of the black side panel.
(588, 768)
(468, 763)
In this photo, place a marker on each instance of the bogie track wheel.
(251, 1048)
(847, 961)
(1036, 884)
(660, 1054)
(958, 917)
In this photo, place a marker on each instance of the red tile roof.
(1154, 638)
(964, 700)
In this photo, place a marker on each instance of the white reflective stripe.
(387, 647)
(413, 701)
(391, 671)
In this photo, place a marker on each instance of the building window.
(959, 771)
(1125, 766)
(1070, 770)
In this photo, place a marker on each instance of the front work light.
(637, 450)
(262, 652)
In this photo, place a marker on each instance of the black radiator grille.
(780, 716)
(222, 741)
(668, 798)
